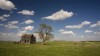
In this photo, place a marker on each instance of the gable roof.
(27, 35)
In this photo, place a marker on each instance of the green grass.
(51, 49)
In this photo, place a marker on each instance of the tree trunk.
(43, 42)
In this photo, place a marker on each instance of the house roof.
(27, 35)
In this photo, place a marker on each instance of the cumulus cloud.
(4, 17)
(88, 31)
(12, 25)
(61, 30)
(74, 26)
(1, 24)
(29, 28)
(6, 5)
(66, 32)
(20, 33)
(79, 25)
(26, 12)
(98, 33)
(9, 36)
(96, 25)
(29, 21)
(85, 23)
(24, 30)
(6, 34)
(60, 15)
(14, 22)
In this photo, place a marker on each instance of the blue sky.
(72, 20)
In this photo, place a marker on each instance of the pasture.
(56, 48)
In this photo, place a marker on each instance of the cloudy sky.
(72, 20)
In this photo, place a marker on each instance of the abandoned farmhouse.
(28, 38)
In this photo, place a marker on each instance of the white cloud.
(26, 12)
(6, 15)
(3, 17)
(88, 31)
(79, 25)
(20, 33)
(61, 30)
(25, 30)
(11, 26)
(1, 24)
(60, 15)
(9, 36)
(74, 26)
(6, 5)
(96, 25)
(29, 21)
(29, 28)
(85, 23)
(68, 32)
(14, 22)
(98, 33)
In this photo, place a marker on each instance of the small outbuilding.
(28, 38)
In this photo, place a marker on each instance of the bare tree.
(45, 32)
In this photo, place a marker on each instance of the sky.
(71, 20)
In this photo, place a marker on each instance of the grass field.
(51, 49)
